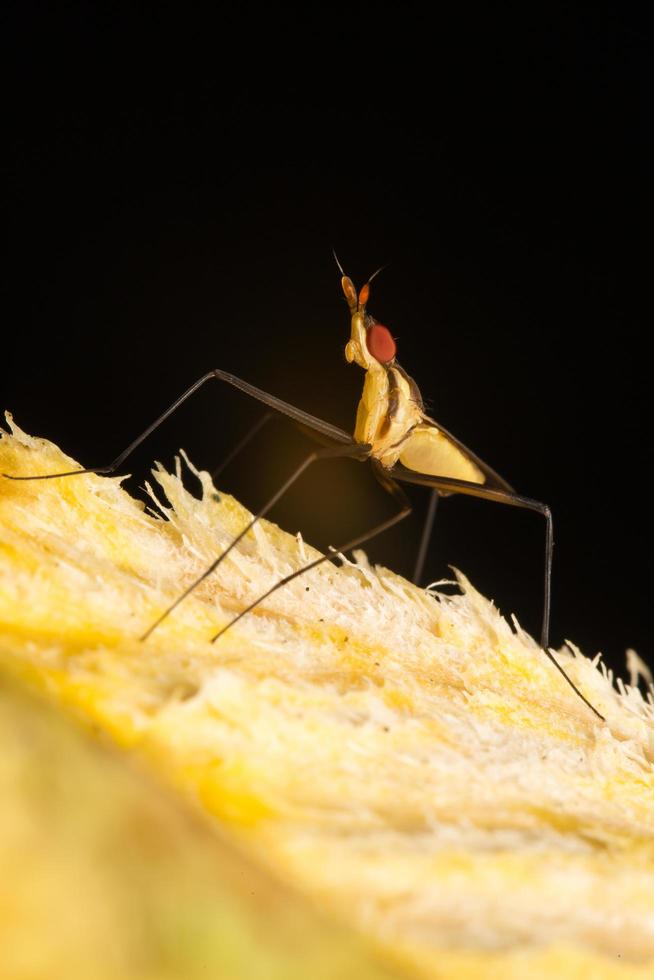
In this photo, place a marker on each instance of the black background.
(173, 189)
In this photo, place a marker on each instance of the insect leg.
(353, 450)
(426, 536)
(242, 443)
(513, 500)
(276, 404)
(256, 428)
(405, 510)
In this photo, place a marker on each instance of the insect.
(392, 432)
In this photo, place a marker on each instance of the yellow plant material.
(103, 876)
(406, 759)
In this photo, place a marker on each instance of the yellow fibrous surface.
(406, 760)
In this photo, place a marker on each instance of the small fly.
(392, 432)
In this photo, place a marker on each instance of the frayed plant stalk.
(407, 760)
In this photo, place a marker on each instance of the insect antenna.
(340, 267)
(377, 271)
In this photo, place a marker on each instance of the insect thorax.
(389, 409)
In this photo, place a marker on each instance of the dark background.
(173, 190)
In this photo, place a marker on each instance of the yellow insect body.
(387, 413)
(390, 416)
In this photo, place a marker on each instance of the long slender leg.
(405, 510)
(302, 427)
(513, 500)
(276, 404)
(242, 443)
(354, 450)
(426, 536)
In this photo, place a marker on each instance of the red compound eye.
(380, 343)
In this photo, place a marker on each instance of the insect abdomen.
(427, 450)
